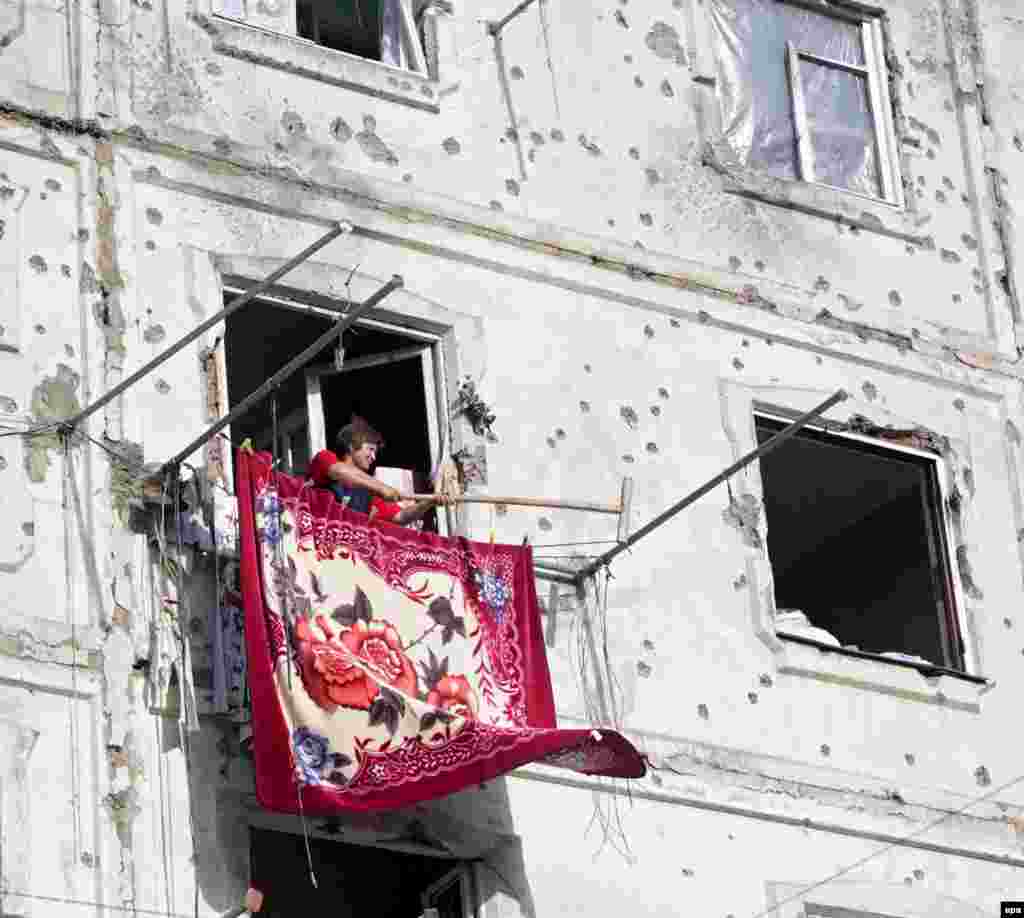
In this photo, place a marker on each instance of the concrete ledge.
(886, 678)
(326, 65)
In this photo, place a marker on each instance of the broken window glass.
(857, 546)
(796, 90)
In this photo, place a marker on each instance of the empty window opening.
(381, 30)
(353, 881)
(384, 376)
(804, 94)
(857, 544)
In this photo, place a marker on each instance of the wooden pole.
(611, 509)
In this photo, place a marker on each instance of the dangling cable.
(279, 552)
(305, 835)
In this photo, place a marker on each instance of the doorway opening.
(388, 375)
(354, 881)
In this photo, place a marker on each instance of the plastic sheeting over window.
(761, 117)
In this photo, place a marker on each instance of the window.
(381, 30)
(354, 881)
(804, 94)
(857, 545)
(388, 375)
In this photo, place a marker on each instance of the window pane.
(842, 132)
(755, 95)
(853, 544)
(819, 34)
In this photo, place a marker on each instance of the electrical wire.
(860, 862)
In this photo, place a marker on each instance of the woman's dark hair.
(353, 435)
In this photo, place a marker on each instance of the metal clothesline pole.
(296, 363)
(761, 450)
(237, 303)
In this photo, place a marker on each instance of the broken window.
(804, 94)
(388, 375)
(354, 881)
(381, 30)
(858, 548)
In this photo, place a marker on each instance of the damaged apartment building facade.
(649, 234)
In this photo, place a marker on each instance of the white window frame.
(956, 597)
(875, 74)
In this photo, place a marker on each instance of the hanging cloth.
(416, 666)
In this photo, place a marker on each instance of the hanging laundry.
(388, 666)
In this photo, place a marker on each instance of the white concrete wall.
(150, 149)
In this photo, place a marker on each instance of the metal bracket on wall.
(237, 303)
(762, 450)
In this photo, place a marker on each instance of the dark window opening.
(367, 28)
(857, 544)
(353, 881)
(378, 382)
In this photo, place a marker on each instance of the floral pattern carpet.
(388, 666)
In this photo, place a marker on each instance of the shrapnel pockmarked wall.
(633, 228)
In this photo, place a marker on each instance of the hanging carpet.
(388, 666)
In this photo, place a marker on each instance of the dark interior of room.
(855, 543)
(353, 881)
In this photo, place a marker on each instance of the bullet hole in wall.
(584, 407)
(737, 364)
(662, 392)
(656, 410)
(629, 417)
(496, 205)
(628, 459)
(551, 442)
(652, 176)
(895, 299)
(648, 331)
(512, 187)
(544, 524)
(734, 263)
(740, 582)
(666, 89)
(621, 19)
(646, 219)
(982, 776)
(638, 81)
(651, 447)
(634, 152)
(516, 72)
(821, 285)
(908, 757)
(959, 404)
(153, 216)
(162, 386)
(765, 680)
(38, 264)
(702, 711)
(342, 133)
(752, 697)
(587, 368)
(826, 750)
(870, 391)
(648, 644)
(643, 670)
(1008, 622)
(557, 135)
